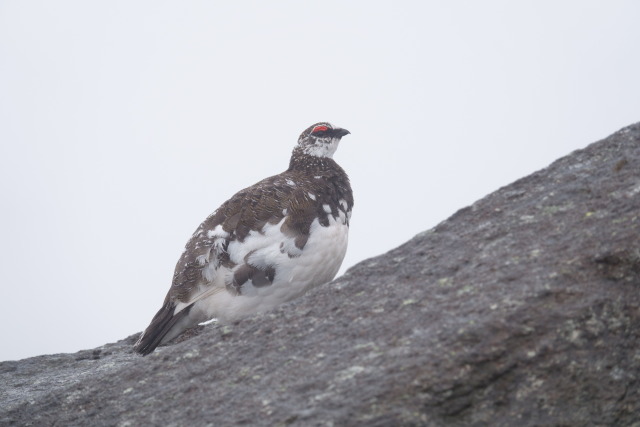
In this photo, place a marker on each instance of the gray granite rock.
(523, 309)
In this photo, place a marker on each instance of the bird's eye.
(319, 130)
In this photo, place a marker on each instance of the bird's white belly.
(317, 263)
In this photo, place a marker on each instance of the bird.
(268, 244)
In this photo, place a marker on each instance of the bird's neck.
(308, 163)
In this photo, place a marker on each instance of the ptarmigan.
(267, 244)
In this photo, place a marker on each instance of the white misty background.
(123, 124)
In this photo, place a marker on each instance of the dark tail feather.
(159, 327)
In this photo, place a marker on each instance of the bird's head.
(321, 139)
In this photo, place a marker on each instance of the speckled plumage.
(265, 245)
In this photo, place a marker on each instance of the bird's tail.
(162, 328)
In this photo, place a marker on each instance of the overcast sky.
(123, 124)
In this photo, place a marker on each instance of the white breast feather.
(317, 263)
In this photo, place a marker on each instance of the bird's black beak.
(339, 132)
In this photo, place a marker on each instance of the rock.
(523, 308)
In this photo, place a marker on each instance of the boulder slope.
(522, 308)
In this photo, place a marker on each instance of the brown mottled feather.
(264, 202)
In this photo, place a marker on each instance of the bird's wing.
(217, 244)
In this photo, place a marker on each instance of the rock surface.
(521, 309)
